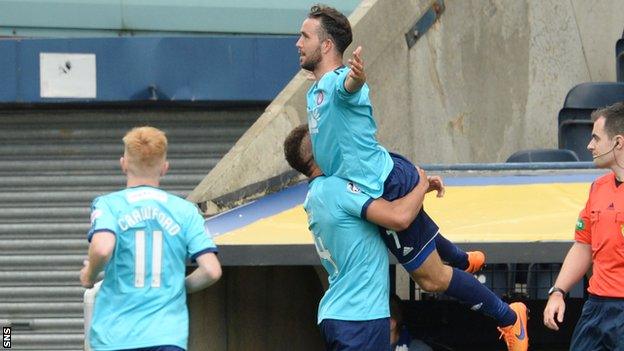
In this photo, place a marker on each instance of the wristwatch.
(556, 289)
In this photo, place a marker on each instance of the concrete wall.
(487, 80)
(599, 23)
(491, 77)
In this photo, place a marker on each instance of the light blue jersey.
(342, 129)
(142, 301)
(351, 250)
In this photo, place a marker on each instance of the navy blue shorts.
(601, 325)
(371, 335)
(158, 348)
(412, 246)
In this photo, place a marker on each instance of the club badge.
(319, 98)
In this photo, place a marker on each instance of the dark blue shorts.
(412, 246)
(157, 348)
(371, 335)
(601, 326)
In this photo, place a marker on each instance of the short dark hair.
(334, 24)
(614, 118)
(298, 158)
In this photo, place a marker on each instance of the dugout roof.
(516, 216)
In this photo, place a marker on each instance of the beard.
(312, 60)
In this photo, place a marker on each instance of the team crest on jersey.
(319, 98)
(353, 188)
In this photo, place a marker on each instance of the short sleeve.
(102, 218)
(198, 238)
(342, 93)
(582, 233)
(353, 200)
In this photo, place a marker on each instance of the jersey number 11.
(139, 258)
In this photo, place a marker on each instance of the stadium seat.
(543, 155)
(574, 134)
(574, 118)
(497, 278)
(594, 95)
(543, 275)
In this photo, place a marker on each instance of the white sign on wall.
(67, 75)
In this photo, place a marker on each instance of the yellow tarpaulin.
(489, 213)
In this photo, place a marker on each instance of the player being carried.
(342, 129)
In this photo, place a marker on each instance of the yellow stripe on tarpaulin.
(285, 228)
(525, 213)
(492, 213)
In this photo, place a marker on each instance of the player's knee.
(431, 283)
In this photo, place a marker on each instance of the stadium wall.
(101, 18)
(485, 81)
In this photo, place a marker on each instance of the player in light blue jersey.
(353, 314)
(430, 272)
(343, 132)
(141, 237)
(343, 129)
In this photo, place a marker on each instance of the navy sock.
(450, 253)
(467, 289)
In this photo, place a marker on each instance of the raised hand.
(357, 66)
(356, 78)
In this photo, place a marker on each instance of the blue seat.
(543, 275)
(543, 155)
(574, 120)
(574, 134)
(497, 278)
(594, 95)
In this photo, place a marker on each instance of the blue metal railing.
(508, 166)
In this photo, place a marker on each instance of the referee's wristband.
(556, 289)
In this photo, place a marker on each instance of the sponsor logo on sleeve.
(353, 188)
(580, 225)
(95, 215)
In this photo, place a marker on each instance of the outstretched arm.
(357, 77)
(577, 262)
(397, 215)
(100, 251)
